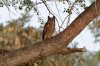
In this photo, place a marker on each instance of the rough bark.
(54, 44)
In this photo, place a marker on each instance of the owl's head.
(51, 19)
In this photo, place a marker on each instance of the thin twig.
(59, 15)
(7, 6)
(39, 11)
(46, 6)
(71, 8)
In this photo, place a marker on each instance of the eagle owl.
(49, 28)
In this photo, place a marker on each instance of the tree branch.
(67, 51)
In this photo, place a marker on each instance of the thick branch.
(67, 51)
(53, 45)
(80, 23)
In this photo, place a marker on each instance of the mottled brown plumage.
(49, 28)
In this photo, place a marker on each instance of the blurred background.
(22, 21)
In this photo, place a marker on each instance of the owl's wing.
(45, 29)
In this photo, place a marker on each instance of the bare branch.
(67, 51)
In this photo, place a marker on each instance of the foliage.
(98, 55)
(28, 5)
(14, 35)
(20, 21)
(95, 29)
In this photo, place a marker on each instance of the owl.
(49, 28)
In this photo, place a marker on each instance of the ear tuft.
(53, 17)
(48, 17)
